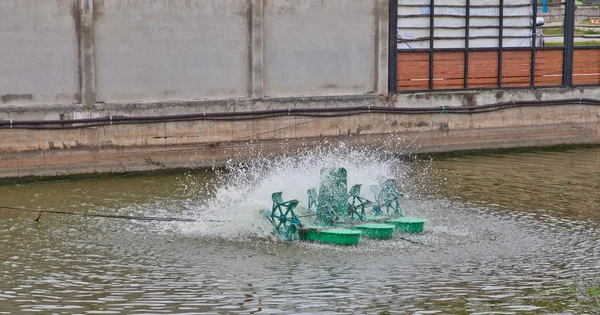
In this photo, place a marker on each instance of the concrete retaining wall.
(39, 50)
(582, 13)
(192, 144)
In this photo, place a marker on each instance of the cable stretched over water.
(126, 217)
(423, 131)
(94, 215)
(410, 241)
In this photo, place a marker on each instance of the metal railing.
(470, 44)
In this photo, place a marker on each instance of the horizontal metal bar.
(400, 91)
(492, 27)
(485, 49)
(420, 39)
(463, 6)
(584, 85)
(480, 49)
(459, 15)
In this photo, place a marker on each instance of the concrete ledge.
(403, 100)
(484, 97)
(155, 146)
(155, 108)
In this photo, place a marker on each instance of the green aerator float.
(338, 216)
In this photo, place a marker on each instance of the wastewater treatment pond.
(514, 233)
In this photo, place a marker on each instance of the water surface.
(506, 234)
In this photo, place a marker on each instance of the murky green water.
(507, 234)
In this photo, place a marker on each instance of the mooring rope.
(410, 241)
(94, 215)
(444, 111)
(126, 217)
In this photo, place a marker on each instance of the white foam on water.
(241, 191)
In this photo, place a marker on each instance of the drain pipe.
(264, 114)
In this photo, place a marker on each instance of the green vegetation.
(586, 32)
(586, 43)
(553, 31)
(586, 292)
(578, 31)
(590, 296)
(594, 293)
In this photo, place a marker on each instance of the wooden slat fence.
(413, 71)
(586, 66)
(483, 69)
(549, 67)
(516, 68)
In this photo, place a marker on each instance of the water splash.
(241, 190)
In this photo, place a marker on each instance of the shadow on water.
(506, 234)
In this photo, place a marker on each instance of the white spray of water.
(233, 208)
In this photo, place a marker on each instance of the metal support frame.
(387, 198)
(533, 46)
(282, 216)
(393, 48)
(500, 41)
(467, 24)
(569, 43)
(357, 204)
(431, 35)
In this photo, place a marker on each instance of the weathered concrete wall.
(582, 13)
(188, 144)
(315, 47)
(171, 50)
(101, 51)
(39, 52)
(478, 98)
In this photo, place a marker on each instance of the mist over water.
(240, 191)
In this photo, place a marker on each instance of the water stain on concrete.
(470, 100)
(7, 98)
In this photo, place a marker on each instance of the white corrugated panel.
(450, 20)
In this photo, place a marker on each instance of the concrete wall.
(74, 59)
(307, 52)
(103, 51)
(582, 13)
(171, 50)
(39, 52)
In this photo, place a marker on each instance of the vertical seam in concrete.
(257, 48)
(376, 46)
(87, 68)
(250, 50)
(382, 18)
